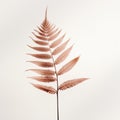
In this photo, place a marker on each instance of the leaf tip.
(46, 12)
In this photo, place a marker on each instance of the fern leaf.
(41, 56)
(60, 48)
(63, 56)
(41, 49)
(68, 66)
(41, 30)
(39, 37)
(43, 78)
(39, 33)
(52, 51)
(39, 42)
(71, 83)
(52, 31)
(42, 71)
(47, 89)
(57, 42)
(42, 64)
(54, 35)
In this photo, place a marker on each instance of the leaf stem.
(57, 83)
(57, 100)
(57, 92)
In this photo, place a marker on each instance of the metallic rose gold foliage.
(51, 50)
(44, 78)
(47, 89)
(39, 37)
(68, 66)
(41, 49)
(57, 42)
(52, 37)
(42, 72)
(63, 56)
(41, 56)
(60, 48)
(53, 31)
(71, 83)
(42, 64)
(40, 42)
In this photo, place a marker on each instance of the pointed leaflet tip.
(46, 13)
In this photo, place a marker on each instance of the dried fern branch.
(52, 51)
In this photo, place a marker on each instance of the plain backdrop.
(94, 28)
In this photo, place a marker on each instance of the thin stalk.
(57, 92)
(57, 100)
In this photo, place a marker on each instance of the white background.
(94, 27)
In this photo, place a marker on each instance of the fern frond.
(52, 51)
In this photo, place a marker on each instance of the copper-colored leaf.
(71, 83)
(68, 66)
(60, 48)
(50, 42)
(63, 56)
(47, 89)
(41, 30)
(41, 56)
(43, 72)
(44, 78)
(40, 37)
(52, 31)
(42, 64)
(57, 42)
(46, 27)
(47, 30)
(41, 49)
(40, 42)
(40, 33)
(54, 35)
